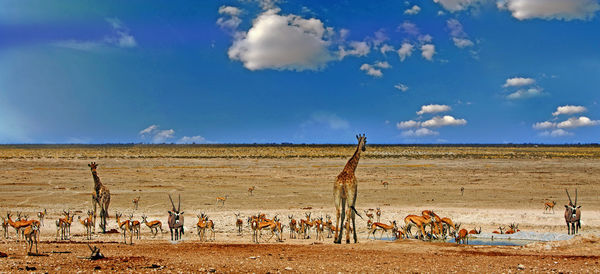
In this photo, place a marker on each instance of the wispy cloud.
(120, 37)
(155, 135)
(518, 81)
(401, 87)
(329, 120)
(550, 9)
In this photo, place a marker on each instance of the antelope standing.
(292, 225)
(19, 225)
(250, 190)
(135, 202)
(345, 192)
(319, 228)
(420, 222)
(385, 184)
(31, 234)
(378, 214)
(306, 225)
(87, 224)
(125, 226)
(222, 200)
(153, 225)
(176, 220)
(548, 206)
(135, 227)
(383, 227)
(238, 223)
(41, 215)
(572, 215)
(329, 226)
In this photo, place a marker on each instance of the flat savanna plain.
(502, 185)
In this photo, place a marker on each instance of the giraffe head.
(93, 166)
(362, 142)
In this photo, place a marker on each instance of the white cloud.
(401, 87)
(383, 65)
(156, 135)
(462, 43)
(192, 140)
(405, 51)
(380, 37)
(568, 109)
(282, 42)
(551, 9)
(233, 21)
(421, 132)
(409, 28)
(544, 125)
(578, 122)
(370, 70)
(427, 51)
(122, 38)
(268, 4)
(447, 120)
(412, 11)
(386, 48)
(525, 93)
(408, 124)
(556, 133)
(456, 28)
(357, 49)
(518, 81)
(433, 108)
(330, 120)
(425, 38)
(456, 5)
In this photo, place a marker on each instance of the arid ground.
(502, 185)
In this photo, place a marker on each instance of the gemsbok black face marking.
(176, 220)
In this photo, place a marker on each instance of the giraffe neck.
(353, 162)
(97, 183)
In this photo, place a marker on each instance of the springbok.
(135, 227)
(31, 234)
(124, 226)
(292, 224)
(239, 223)
(548, 206)
(385, 184)
(378, 214)
(87, 224)
(222, 200)
(135, 202)
(383, 227)
(501, 228)
(41, 215)
(475, 231)
(176, 220)
(572, 215)
(5, 227)
(250, 190)
(462, 237)
(153, 225)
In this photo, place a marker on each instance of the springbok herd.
(429, 226)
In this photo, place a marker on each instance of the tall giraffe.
(344, 193)
(100, 197)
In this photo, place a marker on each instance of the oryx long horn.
(172, 202)
(179, 205)
(575, 197)
(571, 202)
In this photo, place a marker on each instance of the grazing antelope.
(135, 202)
(513, 228)
(87, 223)
(475, 231)
(446, 225)
(383, 227)
(292, 224)
(549, 206)
(378, 214)
(176, 220)
(572, 215)
(436, 224)
(420, 222)
(41, 215)
(345, 189)
(135, 227)
(31, 234)
(399, 233)
(501, 228)
(153, 225)
(250, 190)
(238, 223)
(125, 226)
(385, 184)
(222, 200)
(462, 237)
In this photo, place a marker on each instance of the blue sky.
(431, 71)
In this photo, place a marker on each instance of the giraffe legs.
(340, 222)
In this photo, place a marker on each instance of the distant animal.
(135, 202)
(385, 184)
(250, 190)
(293, 224)
(239, 223)
(462, 191)
(176, 221)
(378, 214)
(501, 228)
(513, 229)
(475, 231)
(572, 215)
(549, 205)
(222, 200)
(41, 215)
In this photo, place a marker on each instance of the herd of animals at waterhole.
(263, 228)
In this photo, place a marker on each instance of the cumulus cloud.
(192, 140)
(232, 21)
(375, 69)
(544, 125)
(409, 28)
(282, 42)
(462, 43)
(433, 108)
(446, 120)
(456, 5)
(518, 81)
(525, 93)
(551, 9)
(412, 11)
(459, 36)
(405, 51)
(156, 135)
(386, 48)
(427, 51)
(408, 124)
(357, 48)
(421, 132)
(401, 87)
(578, 122)
(568, 109)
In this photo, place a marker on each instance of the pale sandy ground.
(497, 192)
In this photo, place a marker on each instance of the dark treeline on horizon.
(294, 145)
